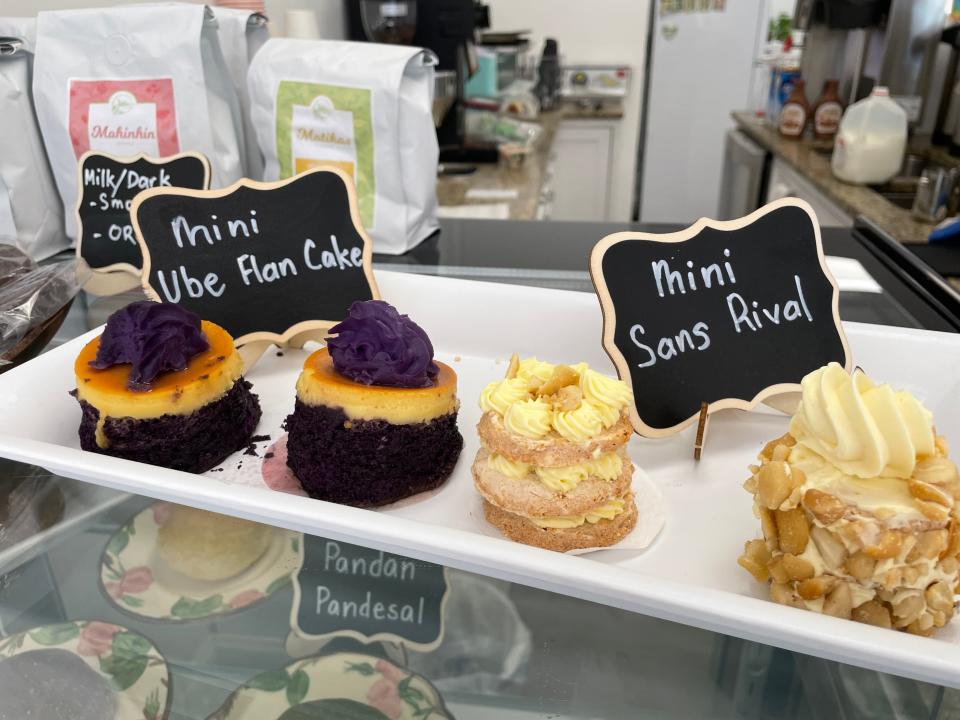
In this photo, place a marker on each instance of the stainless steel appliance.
(389, 22)
(448, 27)
(875, 42)
(743, 183)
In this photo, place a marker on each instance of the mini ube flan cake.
(160, 386)
(375, 418)
(857, 506)
(552, 468)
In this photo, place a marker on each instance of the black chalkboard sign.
(106, 188)
(730, 313)
(266, 261)
(369, 595)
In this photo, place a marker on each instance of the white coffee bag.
(242, 33)
(135, 79)
(32, 214)
(363, 107)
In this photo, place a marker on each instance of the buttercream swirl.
(514, 469)
(530, 418)
(603, 390)
(532, 369)
(376, 345)
(580, 424)
(608, 511)
(501, 394)
(563, 479)
(606, 467)
(153, 338)
(863, 429)
(602, 399)
(608, 415)
(560, 479)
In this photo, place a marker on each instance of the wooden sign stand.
(119, 277)
(690, 323)
(701, 438)
(283, 217)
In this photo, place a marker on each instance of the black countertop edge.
(562, 249)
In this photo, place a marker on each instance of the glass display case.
(119, 605)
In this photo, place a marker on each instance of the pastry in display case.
(161, 386)
(177, 563)
(857, 503)
(82, 670)
(375, 419)
(208, 546)
(553, 468)
(339, 685)
(29, 503)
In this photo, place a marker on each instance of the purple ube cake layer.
(194, 443)
(368, 462)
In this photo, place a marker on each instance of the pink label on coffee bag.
(124, 117)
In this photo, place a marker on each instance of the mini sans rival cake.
(857, 504)
(375, 419)
(552, 467)
(162, 387)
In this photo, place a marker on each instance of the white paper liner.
(273, 473)
(274, 385)
(651, 516)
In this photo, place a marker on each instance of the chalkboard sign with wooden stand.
(342, 590)
(729, 314)
(107, 185)
(273, 263)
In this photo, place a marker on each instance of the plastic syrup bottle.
(871, 140)
(786, 70)
(795, 111)
(827, 111)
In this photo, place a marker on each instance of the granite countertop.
(528, 179)
(812, 160)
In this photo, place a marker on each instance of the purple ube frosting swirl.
(152, 337)
(376, 345)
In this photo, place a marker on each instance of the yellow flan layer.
(206, 378)
(320, 384)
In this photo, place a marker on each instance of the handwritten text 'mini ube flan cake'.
(553, 468)
(858, 507)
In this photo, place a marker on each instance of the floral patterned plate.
(138, 581)
(346, 686)
(133, 668)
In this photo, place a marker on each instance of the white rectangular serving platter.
(689, 575)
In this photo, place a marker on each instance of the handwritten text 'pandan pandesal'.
(251, 269)
(746, 314)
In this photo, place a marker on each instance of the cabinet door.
(581, 179)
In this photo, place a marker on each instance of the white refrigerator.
(700, 70)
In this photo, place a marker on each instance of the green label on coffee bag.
(320, 124)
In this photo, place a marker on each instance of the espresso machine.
(448, 28)
(863, 43)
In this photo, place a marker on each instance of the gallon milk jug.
(872, 137)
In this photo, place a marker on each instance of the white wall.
(331, 16)
(604, 31)
(782, 6)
